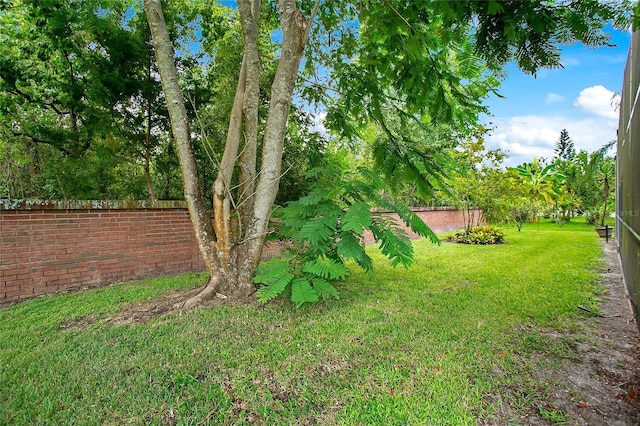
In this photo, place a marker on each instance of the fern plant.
(327, 228)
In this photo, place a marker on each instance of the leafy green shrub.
(480, 235)
(326, 229)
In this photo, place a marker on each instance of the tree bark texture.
(294, 30)
(198, 212)
(231, 249)
(250, 19)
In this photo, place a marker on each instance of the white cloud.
(599, 101)
(529, 136)
(570, 62)
(318, 122)
(553, 98)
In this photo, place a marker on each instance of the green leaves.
(302, 292)
(413, 221)
(275, 281)
(394, 242)
(532, 32)
(327, 229)
(324, 289)
(440, 59)
(326, 268)
(350, 246)
(318, 230)
(543, 180)
(357, 218)
(310, 286)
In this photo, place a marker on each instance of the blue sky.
(528, 120)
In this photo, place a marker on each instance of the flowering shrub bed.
(479, 235)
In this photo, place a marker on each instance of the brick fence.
(47, 247)
(51, 246)
(439, 219)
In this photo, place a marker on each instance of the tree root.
(207, 293)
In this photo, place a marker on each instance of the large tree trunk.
(294, 29)
(250, 15)
(200, 216)
(232, 249)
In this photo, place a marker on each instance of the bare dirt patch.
(147, 310)
(597, 386)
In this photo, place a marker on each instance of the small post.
(606, 234)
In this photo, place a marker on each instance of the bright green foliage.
(415, 156)
(81, 110)
(411, 154)
(357, 218)
(326, 268)
(401, 65)
(521, 211)
(588, 179)
(318, 230)
(435, 59)
(78, 92)
(585, 186)
(79, 76)
(394, 242)
(573, 184)
(302, 292)
(543, 179)
(478, 185)
(420, 69)
(324, 289)
(401, 61)
(350, 246)
(529, 32)
(327, 229)
(414, 68)
(311, 285)
(410, 219)
(605, 174)
(277, 280)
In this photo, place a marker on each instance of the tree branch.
(30, 99)
(305, 37)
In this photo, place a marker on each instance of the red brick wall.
(46, 247)
(439, 219)
(45, 250)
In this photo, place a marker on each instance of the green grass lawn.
(434, 344)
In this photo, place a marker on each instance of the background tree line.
(82, 114)
(567, 185)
